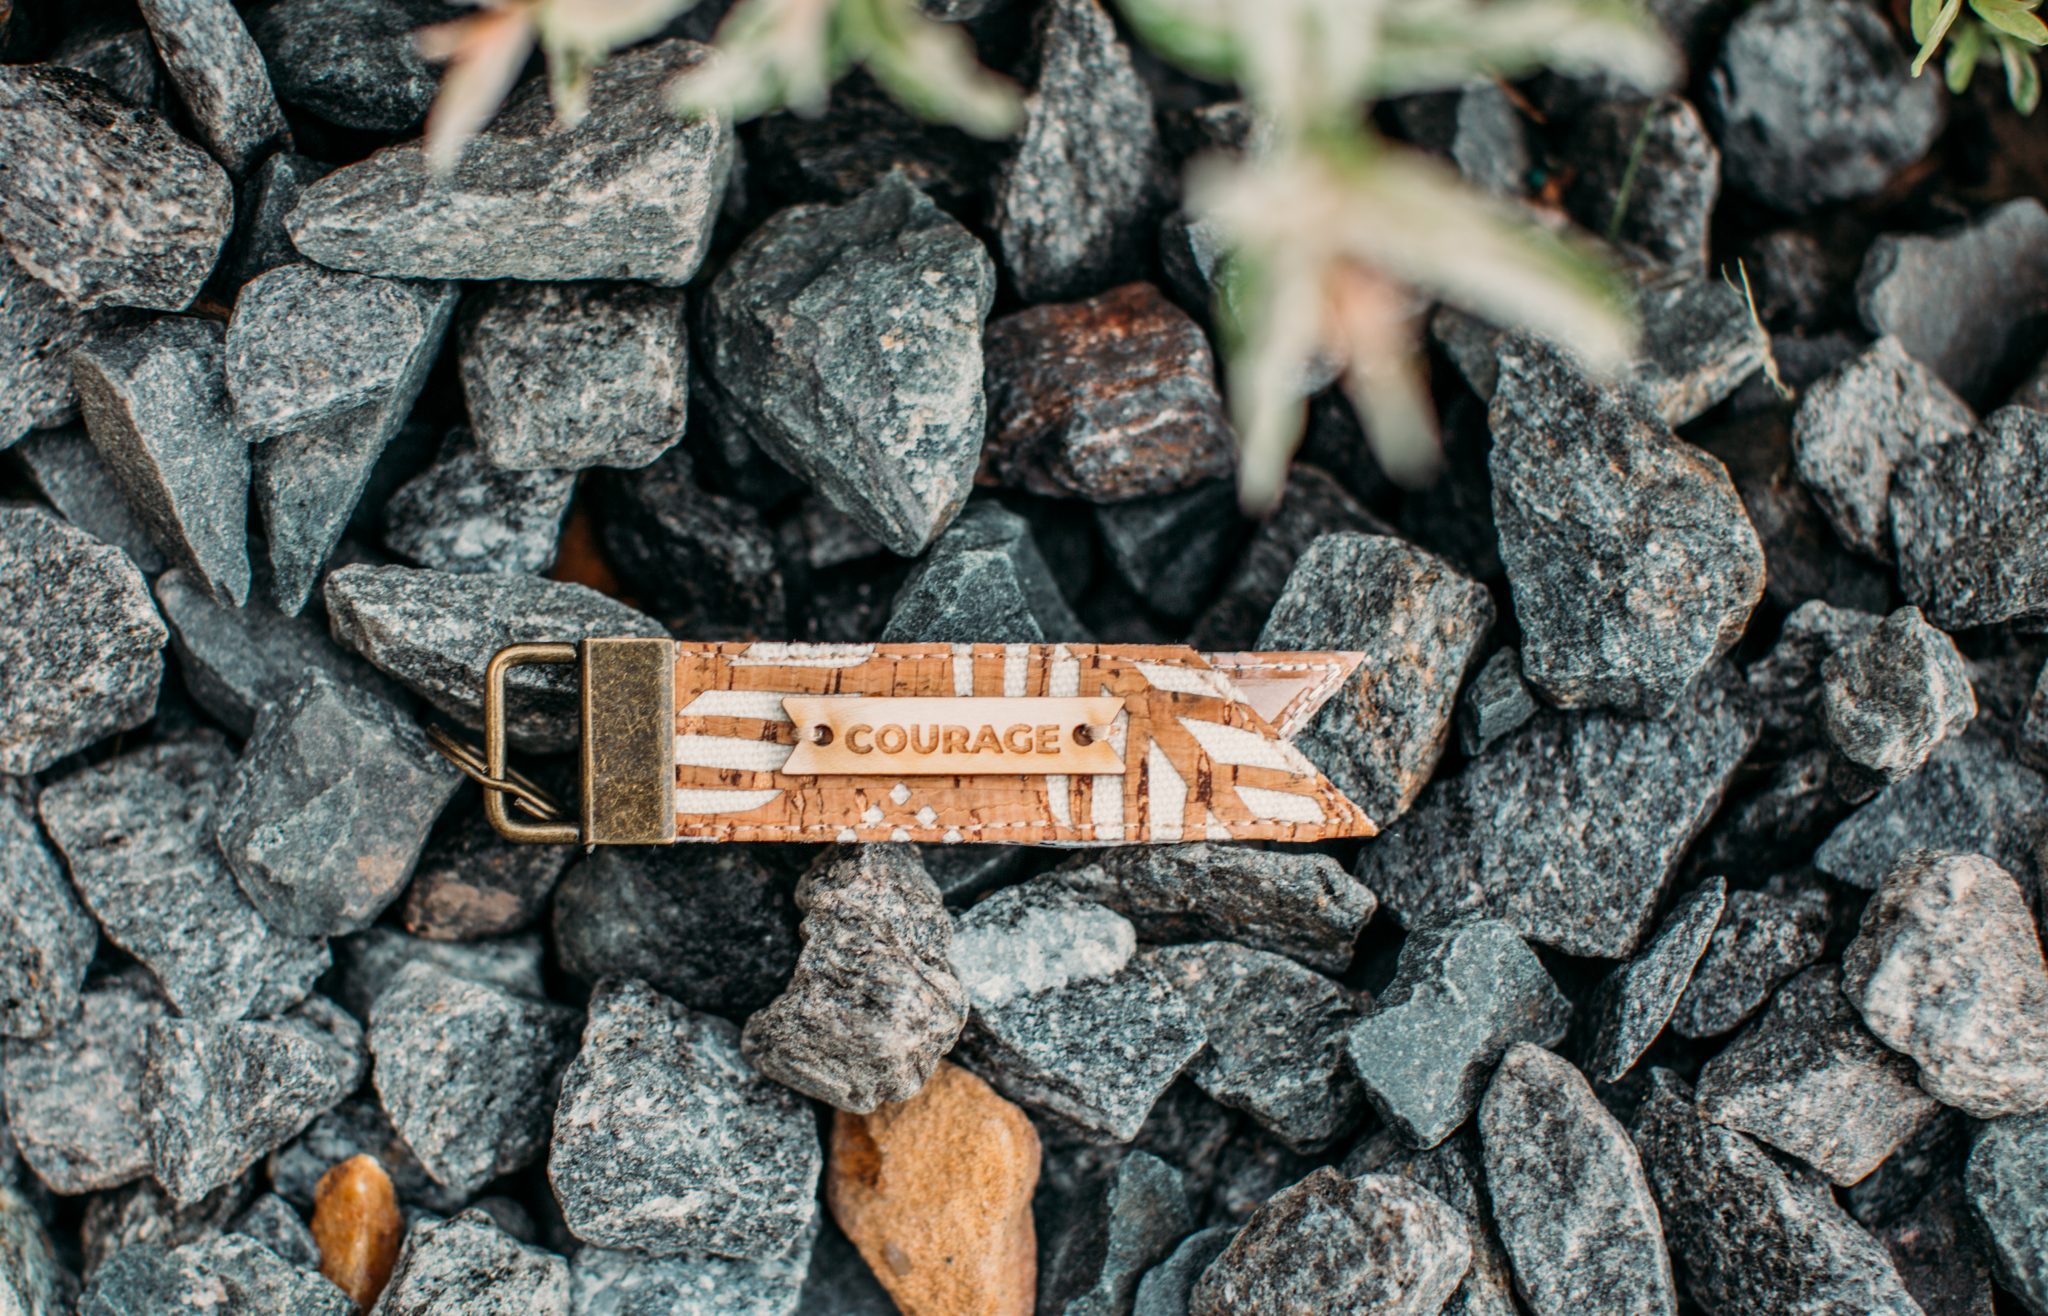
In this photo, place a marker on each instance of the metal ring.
(496, 795)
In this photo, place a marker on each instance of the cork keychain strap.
(1024, 744)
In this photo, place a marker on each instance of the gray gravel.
(983, 582)
(137, 834)
(1814, 103)
(1275, 1039)
(515, 207)
(1634, 1002)
(1965, 519)
(81, 648)
(38, 330)
(65, 468)
(2007, 1168)
(1073, 198)
(563, 376)
(465, 1069)
(1328, 1243)
(827, 309)
(1751, 1236)
(352, 62)
(1763, 938)
(1571, 828)
(435, 632)
(329, 807)
(1066, 1019)
(218, 1096)
(219, 76)
(46, 938)
(873, 1003)
(1890, 698)
(464, 514)
(468, 1266)
(154, 402)
(1461, 996)
(1580, 472)
(1854, 428)
(105, 203)
(74, 1097)
(603, 1282)
(1298, 904)
(1947, 968)
(1809, 1079)
(1104, 1244)
(1419, 623)
(1971, 796)
(1569, 1197)
(667, 1141)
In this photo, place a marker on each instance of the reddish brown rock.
(357, 1227)
(1107, 399)
(935, 1192)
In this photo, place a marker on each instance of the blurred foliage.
(1337, 239)
(2006, 32)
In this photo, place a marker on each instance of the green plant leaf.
(2022, 75)
(769, 55)
(1963, 50)
(1196, 34)
(1922, 17)
(1943, 20)
(2012, 19)
(930, 68)
(1446, 43)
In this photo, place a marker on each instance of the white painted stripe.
(1280, 806)
(779, 654)
(963, 670)
(1015, 657)
(764, 704)
(1166, 795)
(1107, 811)
(1212, 826)
(1059, 789)
(711, 800)
(1238, 747)
(1063, 677)
(1177, 680)
(731, 752)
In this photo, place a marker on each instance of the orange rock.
(357, 1227)
(936, 1193)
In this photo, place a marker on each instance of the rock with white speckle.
(1635, 1001)
(105, 203)
(1966, 521)
(46, 938)
(465, 1070)
(1889, 699)
(74, 1098)
(1067, 1019)
(667, 1141)
(466, 515)
(849, 339)
(468, 1266)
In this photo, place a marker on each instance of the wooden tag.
(970, 737)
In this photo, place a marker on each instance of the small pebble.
(607, 1283)
(1453, 1171)
(329, 807)
(935, 1192)
(1327, 1243)
(465, 1070)
(74, 1098)
(1947, 969)
(1807, 1078)
(46, 937)
(1971, 796)
(1607, 619)
(262, 201)
(667, 1141)
(1964, 518)
(356, 1127)
(705, 563)
(66, 470)
(1654, 162)
(471, 883)
(357, 1228)
(352, 62)
(1496, 702)
(1311, 505)
(563, 376)
(873, 1003)
(1569, 1197)
(219, 1096)
(1462, 994)
(983, 582)
(2004, 1181)
(372, 959)
(712, 926)
(271, 1221)
(232, 1275)
(1419, 624)
(1169, 1287)
(1854, 428)
(1762, 939)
